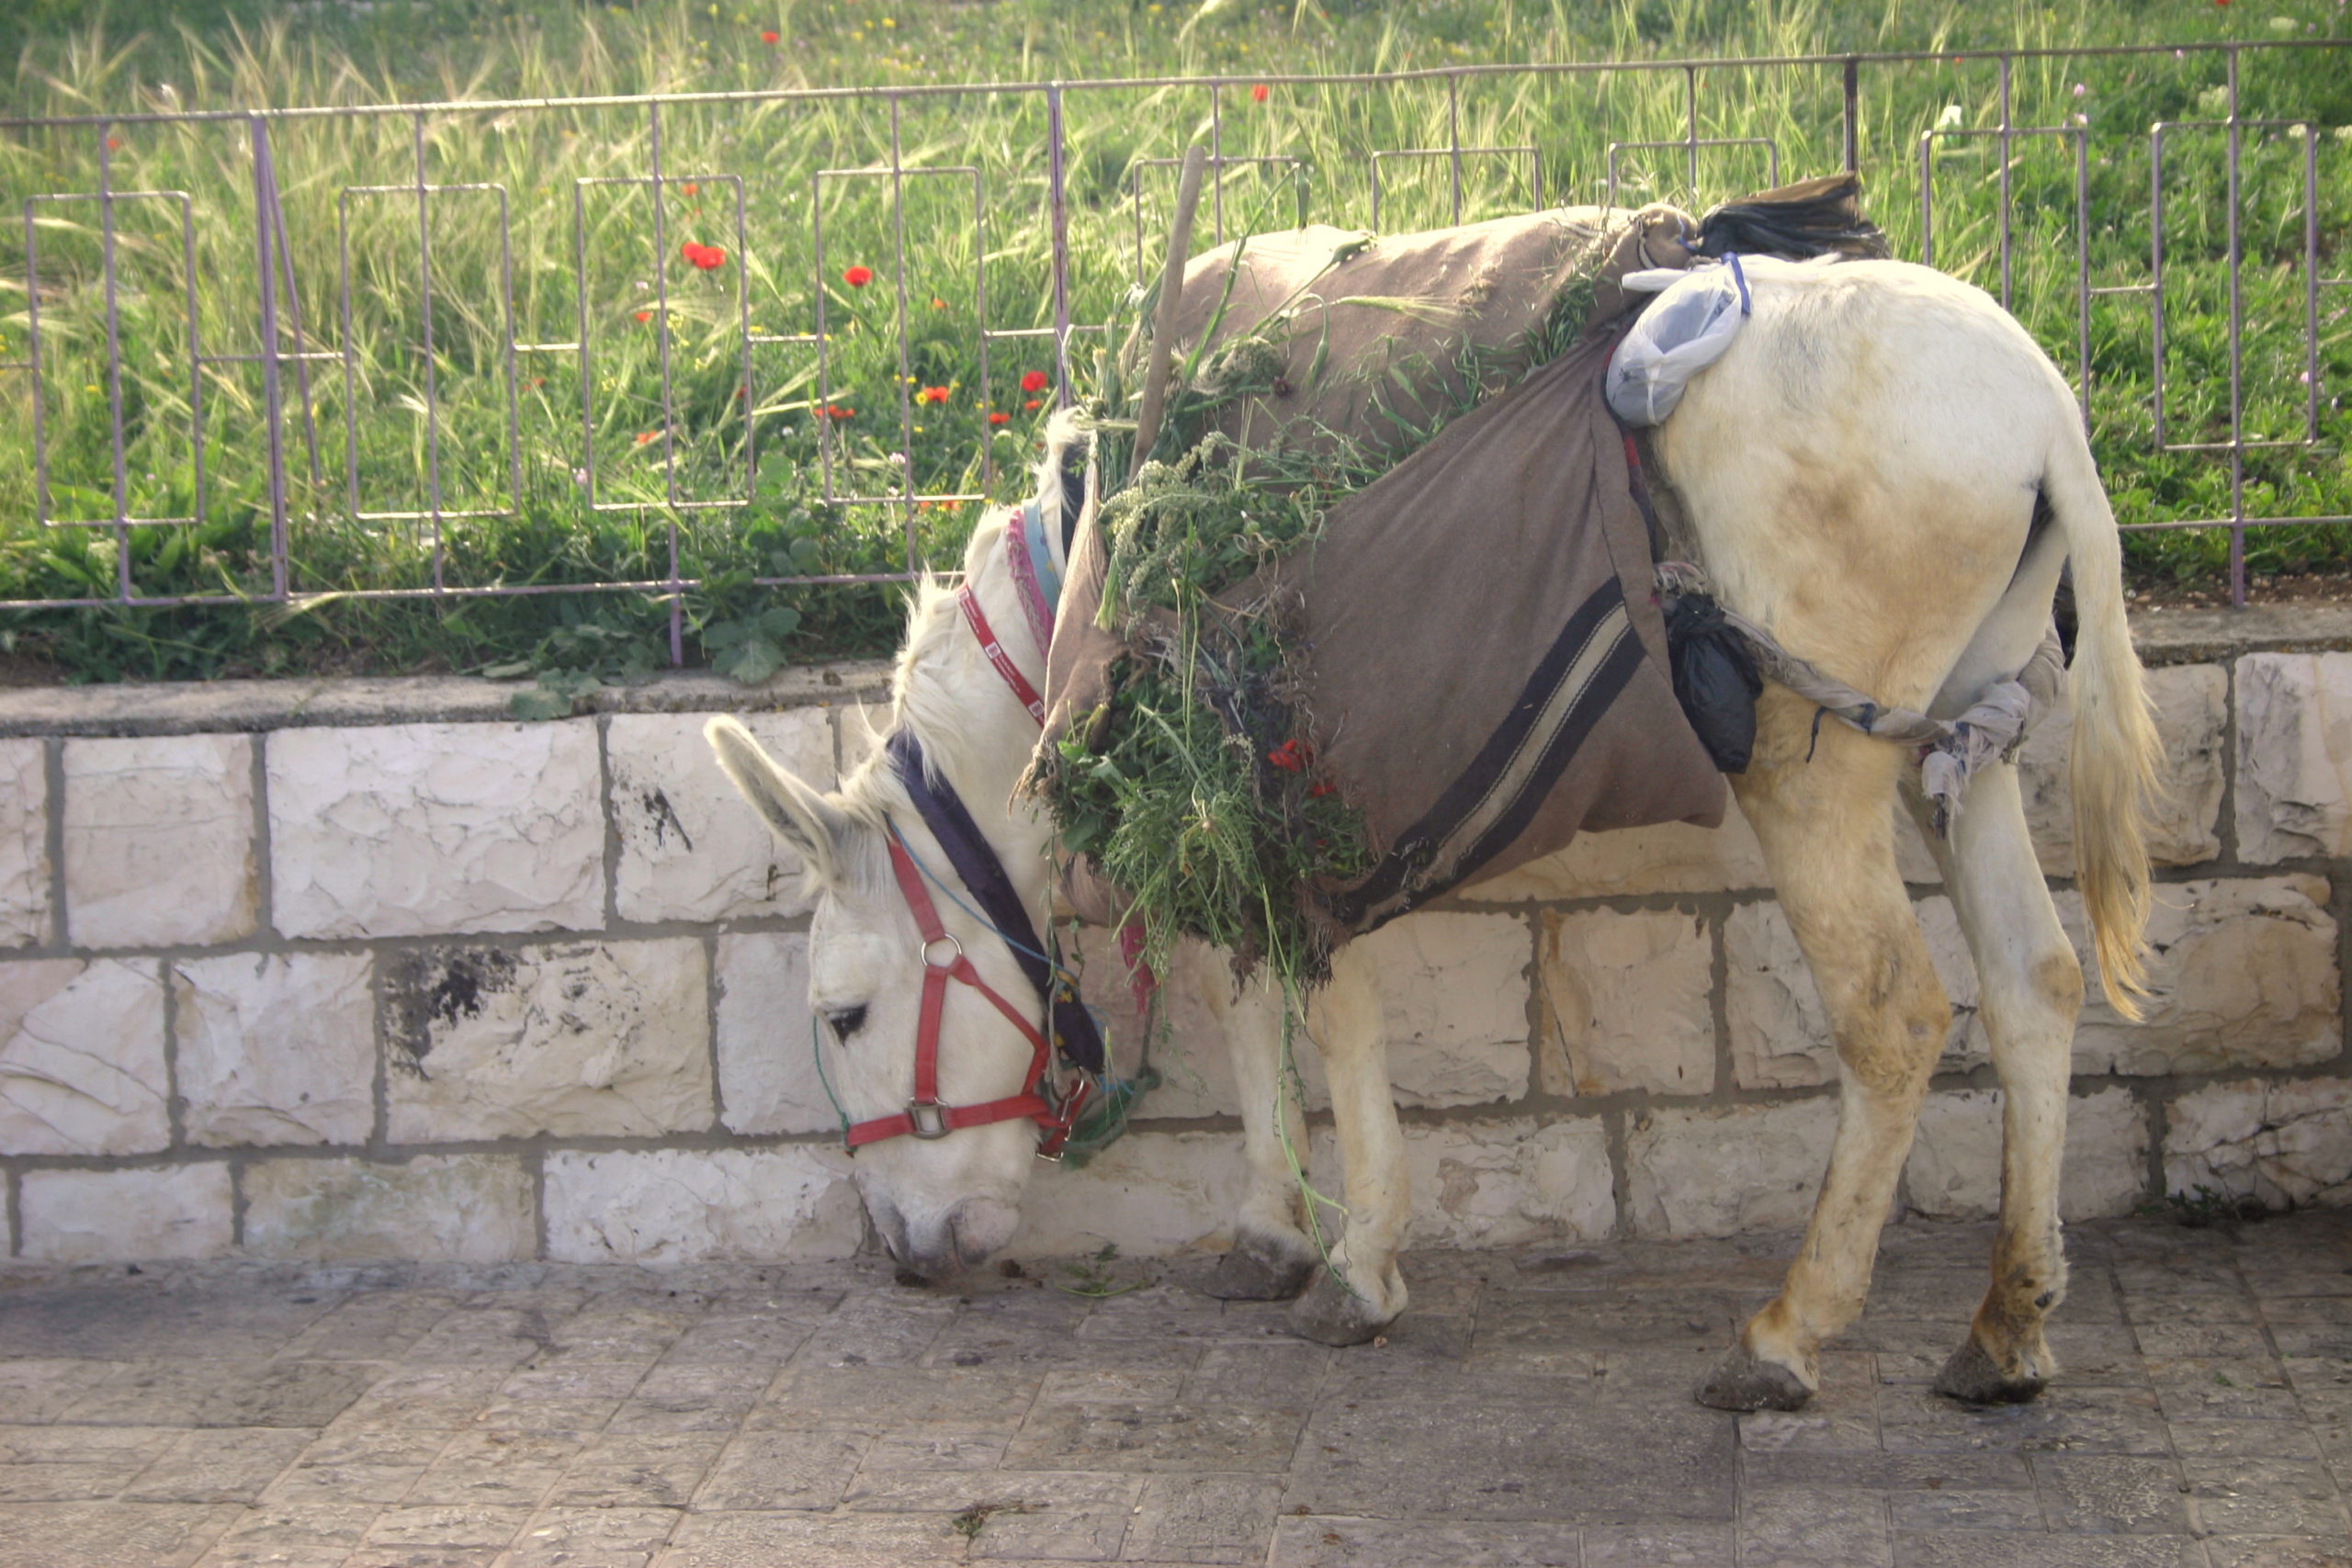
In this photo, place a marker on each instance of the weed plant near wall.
(952, 417)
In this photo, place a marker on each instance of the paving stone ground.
(1532, 1409)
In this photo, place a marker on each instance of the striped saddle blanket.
(1485, 662)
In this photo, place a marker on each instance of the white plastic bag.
(1686, 328)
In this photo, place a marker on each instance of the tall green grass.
(951, 251)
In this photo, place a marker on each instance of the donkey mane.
(930, 691)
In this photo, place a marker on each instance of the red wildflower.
(770, 36)
(933, 395)
(1287, 758)
(691, 189)
(114, 143)
(1035, 381)
(646, 437)
(709, 258)
(858, 276)
(1258, 94)
(645, 315)
(1033, 405)
(1319, 788)
(938, 304)
(996, 417)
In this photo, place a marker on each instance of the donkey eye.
(846, 1022)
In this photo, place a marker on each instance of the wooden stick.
(1163, 326)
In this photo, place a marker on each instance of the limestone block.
(2242, 974)
(1454, 996)
(2294, 756)
(1671, 857)
(1721, 1171)
(82, 1057)
(768, 1077)
(1955, 1167)
(691, 848)
(1625, 1003)
(2192, 713)
(127, 1217)
(580, 1039)
(26, 918)
(673, 1206)
(417, 829)
(431, 1209)
(2285, 1143)
(277, 1049)
(1509, 1183)
(1780, 1031)
(159, 841)
(1151, 1193)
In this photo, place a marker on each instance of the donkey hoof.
(1330, 1313)
(1742, 1381)
(1258, 1269)
(1973, 1377)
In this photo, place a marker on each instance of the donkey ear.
(797, 813)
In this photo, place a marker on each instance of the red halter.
(925, 1116)
(943, 960)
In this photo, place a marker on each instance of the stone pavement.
(1532, 1409)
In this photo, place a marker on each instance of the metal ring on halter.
(923, 951)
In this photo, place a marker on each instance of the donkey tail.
(2113, 770)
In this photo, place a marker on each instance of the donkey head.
(940, 1204)
(942, 1194)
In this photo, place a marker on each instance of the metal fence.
(263, 382)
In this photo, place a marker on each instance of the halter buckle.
(929, 1119)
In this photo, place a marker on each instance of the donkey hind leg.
(1827, 826)
(1272, 1258)
(1362, 1292)
(2030, 987)
(2030, 991)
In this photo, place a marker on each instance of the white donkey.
(1872, 474)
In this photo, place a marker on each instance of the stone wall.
(367, 970)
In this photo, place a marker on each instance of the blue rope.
(816, 1054)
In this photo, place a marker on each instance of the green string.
(816, 1054)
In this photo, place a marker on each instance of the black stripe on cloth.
(1580, 675)
(977, 866)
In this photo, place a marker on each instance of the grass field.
(558, 242)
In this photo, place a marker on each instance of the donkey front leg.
(1362, 1292)
(2032, 991)
(1272, 1258)
(1827, 826)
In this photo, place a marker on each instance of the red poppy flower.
(1035, 381)
(1287, 758)
(769, 36)
(1034, 404)
(1318, 789)
(645, 315)
(858, 276)
(1258, 94)
(647, 437)
(114, 143)
(691, 189)
(709, 258)
(998, 418)
(934, 395)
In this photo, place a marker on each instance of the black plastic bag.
(1715, 679)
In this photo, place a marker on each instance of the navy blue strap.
(977, 866)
